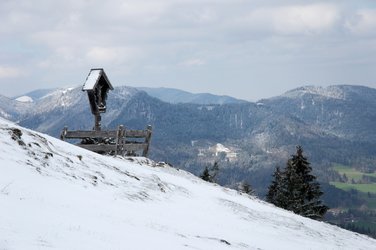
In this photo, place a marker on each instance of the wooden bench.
(117, 142)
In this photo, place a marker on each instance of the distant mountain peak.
(36, 94)
(125, 91)
(172, 95)
(335, 92)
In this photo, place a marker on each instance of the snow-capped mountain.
(56, 195)
(12, 109)
(171, 95)
(333, 124)
(344, 111)
(335, 92)
(54, 107)
(36, 94)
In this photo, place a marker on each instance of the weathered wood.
(109, 147)
(113, 147)
(81, 134)
(136, 133)
(135, 147)
(122, 139)
(63, 133)
(99, 147)
(147, 141)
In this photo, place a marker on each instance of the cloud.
(158, 41)
(192, 62)
(363, 22)
(106, 55)
(9, 72)
(101, 54)
(294, 19)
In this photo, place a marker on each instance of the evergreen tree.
(274, 194)
(296, 189)
(214, 172)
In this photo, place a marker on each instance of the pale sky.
(250, 49)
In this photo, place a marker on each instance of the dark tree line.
(294, 188)
(210, 174)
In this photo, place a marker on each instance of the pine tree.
(214, 172)
(296, 189)
(274, 194)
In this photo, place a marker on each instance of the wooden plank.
(80, 134)
(136, 133)
(104, 133)
(135, 147)
(147, 141)
(121, 136)
(109, 147)
(98, 147)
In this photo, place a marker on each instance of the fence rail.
(119, 142)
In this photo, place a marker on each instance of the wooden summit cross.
(115, 142)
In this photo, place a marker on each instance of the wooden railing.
(118, 142)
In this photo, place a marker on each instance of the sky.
(249, 49)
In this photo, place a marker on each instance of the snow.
(4, 114)
(64, 97)
(24, 99)
(54, 195)
(335, 92)
(221, 148)
(92, 79)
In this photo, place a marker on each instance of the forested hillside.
(335, 125)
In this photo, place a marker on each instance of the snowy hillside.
(335, 92)
(24, 98)
(56, 196)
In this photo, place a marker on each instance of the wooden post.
(63, 133)
(147, 140)
(97, 125)
(120, 140)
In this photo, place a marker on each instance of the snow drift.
(54, 195)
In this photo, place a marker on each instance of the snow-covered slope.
(335, 92)
(12, 109)
(56, 196)
(24, 98)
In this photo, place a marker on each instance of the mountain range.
(171, 95)
(333, 124)
(56, 195)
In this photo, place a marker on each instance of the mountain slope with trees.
(56, 195)
(335, 125)
(179, 96)
(260, 135)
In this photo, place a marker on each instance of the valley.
(335, 125)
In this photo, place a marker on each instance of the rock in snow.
(54, 195)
